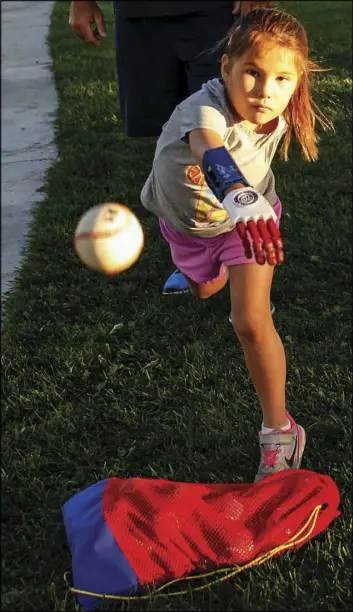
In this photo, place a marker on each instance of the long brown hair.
(271, 25)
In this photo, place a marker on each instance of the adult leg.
(148, 73)
(194, 42)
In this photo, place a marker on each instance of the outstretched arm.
(249, 211)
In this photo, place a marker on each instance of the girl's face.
(260, 83)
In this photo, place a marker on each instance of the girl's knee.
(202, 291)
(251, 325)
(206, 290)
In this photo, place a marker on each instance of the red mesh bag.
(169, 529)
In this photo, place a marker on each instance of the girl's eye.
(281, 79)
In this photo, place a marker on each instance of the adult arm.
(82, 15)
(243, 7)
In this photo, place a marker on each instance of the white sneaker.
(281, 450)
(272, 312)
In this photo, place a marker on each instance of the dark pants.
(161, 61)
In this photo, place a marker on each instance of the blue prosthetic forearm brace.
(221, 171)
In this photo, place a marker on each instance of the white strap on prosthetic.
(245, 204)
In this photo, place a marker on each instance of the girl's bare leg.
(250, 286)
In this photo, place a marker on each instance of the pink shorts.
(205, 260)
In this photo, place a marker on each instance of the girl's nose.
(265, 88)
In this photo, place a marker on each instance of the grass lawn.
(103, 376)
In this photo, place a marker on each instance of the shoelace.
(270, 457)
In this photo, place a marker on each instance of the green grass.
(104, 377)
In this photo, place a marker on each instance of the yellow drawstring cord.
(229, 571)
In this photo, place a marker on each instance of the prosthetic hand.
(250, 212)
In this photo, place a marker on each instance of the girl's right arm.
(201, 140)
(248, 210)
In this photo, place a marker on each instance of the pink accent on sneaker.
(270, 457)
(292, 422)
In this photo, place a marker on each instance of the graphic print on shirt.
(207, 206)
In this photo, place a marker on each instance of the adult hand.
(244, 7)
(82, 15)
(251, 212)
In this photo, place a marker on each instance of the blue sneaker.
(176, 284)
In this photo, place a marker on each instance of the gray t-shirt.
(176, 190)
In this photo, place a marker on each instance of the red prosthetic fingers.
(254, 218)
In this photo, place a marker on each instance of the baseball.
(109, 238)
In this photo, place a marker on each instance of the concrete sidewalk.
(28, 102)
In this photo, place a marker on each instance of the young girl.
(211, 182)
